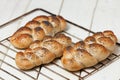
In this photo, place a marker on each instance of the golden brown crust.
(55, 22)
(79, 45)
(98, 51)
(41, 52)
(41, 18)
(54, 46)
(89, 52)
(24, 37)
(62, 22)
(111, 35)
(83, 57)
(44, 55)
(107, 43)
(37, 29)
(22, 62)
(69, 61)
(47, 27)
(62, 39)
(32, 24)
(71, 64)
(90, 40)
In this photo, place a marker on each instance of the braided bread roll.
(37, 29)
(42, 52)
(89, 52)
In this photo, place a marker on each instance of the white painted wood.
(107, 16)
(11, 9)
(52, 6)
(20, 8)
(6, 10)
(110, 72)
(79, 11)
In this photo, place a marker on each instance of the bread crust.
(42, 52)
(37, 29)
(90, 51)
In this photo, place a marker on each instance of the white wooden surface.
(97, 15)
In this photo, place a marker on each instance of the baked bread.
(89, 52)
(42, 52)
(37, 29)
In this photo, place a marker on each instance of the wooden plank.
(110, 72)
(20, 8)
(79, 12)
(6, 10)
(52, 6)
(107, 17)
(11, 9)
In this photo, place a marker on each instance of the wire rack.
(53, 70)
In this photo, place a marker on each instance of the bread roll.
(42, 52)
(89, 52)
(37, 29)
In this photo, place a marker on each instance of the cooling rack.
(51, 71)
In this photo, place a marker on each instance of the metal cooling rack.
(51, 71)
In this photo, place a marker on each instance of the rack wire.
(53, 70)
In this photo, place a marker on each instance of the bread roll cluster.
(42, 52)
(42, 46)
(37, 29)
(89, 52)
